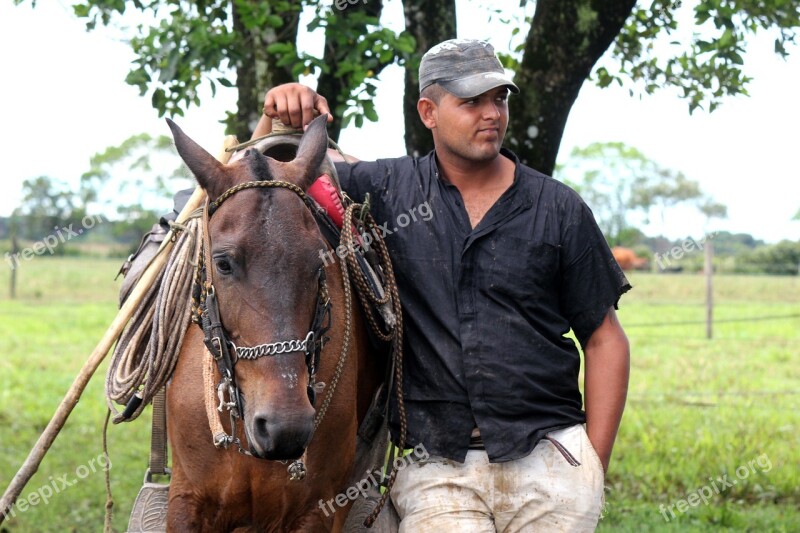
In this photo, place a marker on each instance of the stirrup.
(149, 513)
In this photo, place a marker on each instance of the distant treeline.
(736, 253)
(87, 235)
(97, 236)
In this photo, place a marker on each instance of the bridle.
(205, 312)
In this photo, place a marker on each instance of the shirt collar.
(434, 165)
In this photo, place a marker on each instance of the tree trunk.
(332, 86)
(257, 75)
(565, 40)
(430, 23)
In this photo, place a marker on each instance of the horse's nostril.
(260, 424)
(281, 439)
(261, 432)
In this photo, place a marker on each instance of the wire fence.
(715, 321)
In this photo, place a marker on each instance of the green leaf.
(274, 21)
(81, 10)
(280, 48)
(369, 110)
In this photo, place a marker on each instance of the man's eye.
(223, 265)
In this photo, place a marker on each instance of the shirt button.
(458, 204)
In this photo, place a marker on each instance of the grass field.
(697, 410)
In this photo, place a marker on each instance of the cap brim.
(477, 84)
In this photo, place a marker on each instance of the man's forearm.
(263, 127)
(607, 357)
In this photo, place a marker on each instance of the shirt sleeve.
(591, 280)
(363, 177)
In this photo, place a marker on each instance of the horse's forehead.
(261, 216)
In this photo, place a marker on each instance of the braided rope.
(213, 206)
(348, 325)
(365, 293)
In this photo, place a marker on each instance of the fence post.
(14, 252)
(709, 271)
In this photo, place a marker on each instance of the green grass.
(697, 408)
(63, 308)
(700, 409)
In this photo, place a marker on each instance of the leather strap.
(158, 436)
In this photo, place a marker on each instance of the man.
(490, 284)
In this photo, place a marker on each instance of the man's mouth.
(490, 132)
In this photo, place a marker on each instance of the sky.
(63, 98)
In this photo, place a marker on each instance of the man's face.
(472, 128)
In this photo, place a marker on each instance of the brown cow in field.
(627, 258)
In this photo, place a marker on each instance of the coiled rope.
(147, 351)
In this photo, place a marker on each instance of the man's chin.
(486, 153)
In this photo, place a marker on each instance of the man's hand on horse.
(295, 105)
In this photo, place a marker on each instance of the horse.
(264, 252)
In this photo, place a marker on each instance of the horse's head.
(265, 261)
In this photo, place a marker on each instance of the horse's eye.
(223, 266)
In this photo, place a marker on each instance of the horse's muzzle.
(281, 438)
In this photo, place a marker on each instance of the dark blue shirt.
(486, 310)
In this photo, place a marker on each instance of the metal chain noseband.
(273, 348)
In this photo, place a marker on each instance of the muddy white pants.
(545, 491)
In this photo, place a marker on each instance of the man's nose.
(491, 111)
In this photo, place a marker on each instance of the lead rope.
(392, 296)
(109, 515)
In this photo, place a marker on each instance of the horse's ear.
(310, 153)
(209, 172)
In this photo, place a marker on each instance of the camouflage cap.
(463, 67)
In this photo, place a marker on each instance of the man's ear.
(427, 110)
